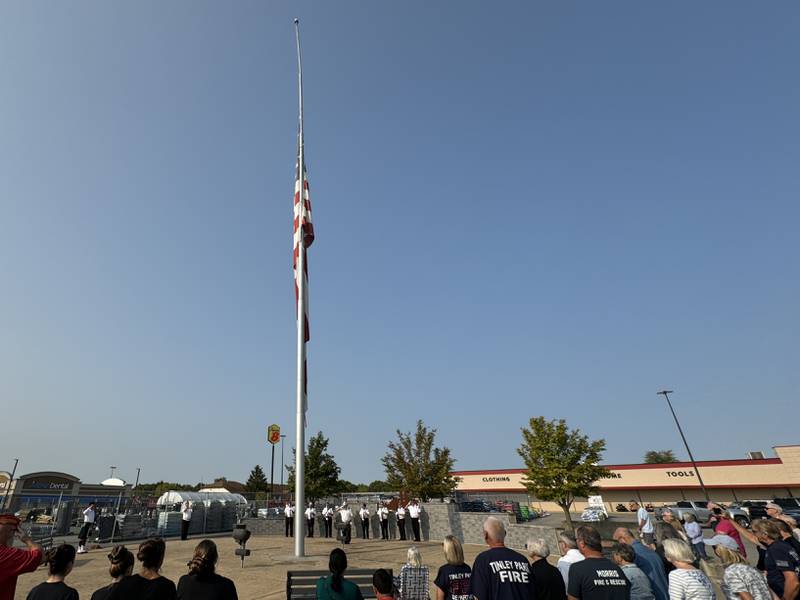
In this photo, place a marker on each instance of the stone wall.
(436, 521)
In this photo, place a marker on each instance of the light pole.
(282, 465)
(113, 468)
(138, 470)
(8, 485)
(666, 394)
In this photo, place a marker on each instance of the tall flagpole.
(300, 443)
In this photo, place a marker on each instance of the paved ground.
(264, 573)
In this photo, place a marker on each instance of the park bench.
(302, 585)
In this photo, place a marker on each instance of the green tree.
(322, 472)
(378, 486)
(562, 464)
(414, 465)
(257, 482)
(656, 457)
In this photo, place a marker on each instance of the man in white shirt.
(383, 516)
(414, 510)
(89, 516)
(364, 514)
(401, 521)
(570, 552)
(311, 515)
(186, 519)
(645, 521)
(288, 514)
(347, 519)
(327, 517)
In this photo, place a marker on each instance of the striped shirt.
(744, 578)
(690, 584)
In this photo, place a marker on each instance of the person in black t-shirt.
(121, 560)
(60, 562)
(500, 573)
(781, 561)
(453, 580)
(547, 579)
(595, 577)
(202, 583)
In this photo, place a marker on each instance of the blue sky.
(521, 208)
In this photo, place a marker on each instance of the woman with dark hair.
(59, 561)
(202, 582)
(148, 584)
(335, 586)
(121, 560)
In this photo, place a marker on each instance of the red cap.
(8, 518)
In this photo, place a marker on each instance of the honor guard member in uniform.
(401, 520)
(288, 513)
(413, 511)
(383, 516)
(347, 522)
(364, 514)
(327, 516)
(89, 515)
(311, 515)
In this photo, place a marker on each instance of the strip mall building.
(726, 481)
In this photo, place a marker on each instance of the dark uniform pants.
(310, 524)
(185, 529)
(365, 528)
(401, 526)
(384, 529)
(328, 526)
(415, 528)
(289, 526)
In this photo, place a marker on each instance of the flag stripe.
(303, 238)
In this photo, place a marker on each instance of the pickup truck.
(790, 506)
(701, 512)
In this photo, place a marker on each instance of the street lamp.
(113, 468)
(666, 394)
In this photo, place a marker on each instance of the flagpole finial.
(296, 20)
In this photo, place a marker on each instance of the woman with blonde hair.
(202, 582)
(740, 581)
(686, 582)
(453, 579)
(414, 576)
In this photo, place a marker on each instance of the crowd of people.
(201, 582)
(411, 511)
(667, 560)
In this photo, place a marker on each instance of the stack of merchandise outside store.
(130, 526)
(169, 523)
(198, 524)
(228, 516)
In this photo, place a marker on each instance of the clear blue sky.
(521, 208)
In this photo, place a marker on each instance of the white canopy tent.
(177, 497)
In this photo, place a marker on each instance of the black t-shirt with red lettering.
(598, 579)
(453, 580)
(501, 574)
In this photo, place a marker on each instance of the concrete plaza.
(264, 573)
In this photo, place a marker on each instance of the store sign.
(680, 474)
(494, 478)
(48, 483)
(274, 434)
(5, 478)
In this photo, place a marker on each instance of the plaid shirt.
(413, 583)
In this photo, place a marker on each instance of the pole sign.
(274, 434)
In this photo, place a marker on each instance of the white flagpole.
(300, 444)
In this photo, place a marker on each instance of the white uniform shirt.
(327, 512)
(364, 513)
(413, 511)
(88, 515)
(288, 511)
(346, 514)
(401, 512)
(187, 514)
(383, 513)
(311, 513)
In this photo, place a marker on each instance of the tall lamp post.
(8, 485)
(666, 394)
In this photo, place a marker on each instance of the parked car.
(790, 506)
(699, 508)
(755, 509)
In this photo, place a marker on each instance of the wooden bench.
(302, 585)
